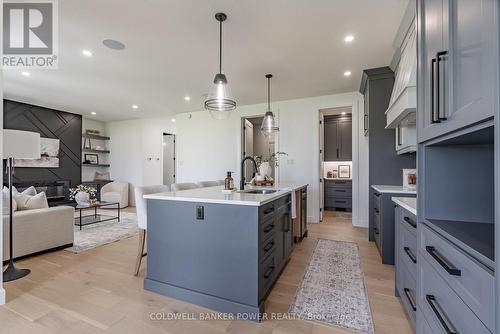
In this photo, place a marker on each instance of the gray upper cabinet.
(338, 139)
(457, 50)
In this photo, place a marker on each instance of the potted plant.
(264, 163)
(82, 194)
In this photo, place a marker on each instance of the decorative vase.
(265, 169)
(82, 198)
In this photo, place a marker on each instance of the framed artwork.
(92, 159)
(344, 171)
(49, 155)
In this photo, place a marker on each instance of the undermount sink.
(260, 191)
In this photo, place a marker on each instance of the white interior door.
(168, 159)
(248, 149)
(321, 168)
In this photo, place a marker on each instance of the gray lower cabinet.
(338, 194)
(457, 60)
(381, 226)
(405, 253)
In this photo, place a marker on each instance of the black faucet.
(242, 178)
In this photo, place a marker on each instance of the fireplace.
(57, 191)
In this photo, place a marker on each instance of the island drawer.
(267, 248)
(268, 210)
(408, 292)
(471, 281)
(442, 307)
(267, 274)
(267, 228)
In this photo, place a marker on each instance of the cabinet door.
(472, 62)
(430, 42)
(331, 140)
(345, 139)
(458, 68)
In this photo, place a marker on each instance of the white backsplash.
(333, 165)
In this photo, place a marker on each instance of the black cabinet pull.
(443, 261)
(410, 299)
(433, 97)
(266, 212)
(410, 222)
(435, 308)
(376, 210)
(376, 230)
(438, 80)
(376, 194)
(269, 228)
(400, 141)
(268, 246)
(410, 254)
(269, 271)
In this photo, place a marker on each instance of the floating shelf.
(94, 151)
(95, 165)
(85, 135)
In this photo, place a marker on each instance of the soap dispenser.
(229, 182)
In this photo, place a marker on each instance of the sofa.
(39, 230)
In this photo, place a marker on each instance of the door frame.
(354, 156)
(163, 156)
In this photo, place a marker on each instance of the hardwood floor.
(96, 292)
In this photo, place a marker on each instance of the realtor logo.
(30, 34)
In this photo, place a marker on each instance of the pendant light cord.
(220, 46)
(268, 94)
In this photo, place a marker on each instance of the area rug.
(92, 236)
(332, 290)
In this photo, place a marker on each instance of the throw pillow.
(28, 191)
(102, 176)
(27, 202)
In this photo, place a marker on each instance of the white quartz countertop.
(393, 189)
(407, 203)
(216, 196)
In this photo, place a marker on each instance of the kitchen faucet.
(242, 178)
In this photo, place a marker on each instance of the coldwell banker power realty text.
(30, 34)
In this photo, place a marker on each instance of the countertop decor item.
(17, 145)
(344, 172)
(229, 182)
(219, 101)
(410, 178)
(269, 127)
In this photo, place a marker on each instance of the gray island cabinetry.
(220, 251)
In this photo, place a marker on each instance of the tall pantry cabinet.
(458, 165)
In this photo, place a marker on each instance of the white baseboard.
(360, 223)
(2, 296)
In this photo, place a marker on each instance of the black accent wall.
(50, 123)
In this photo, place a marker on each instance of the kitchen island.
(220, 251)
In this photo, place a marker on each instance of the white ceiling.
(172, 51)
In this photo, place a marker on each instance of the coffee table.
(94, 218)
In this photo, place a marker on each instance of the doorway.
(254, 143)
(168, 159)
(336, 168)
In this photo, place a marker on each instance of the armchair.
(115, 192)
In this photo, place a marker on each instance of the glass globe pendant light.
(268, 127)
(219, 101)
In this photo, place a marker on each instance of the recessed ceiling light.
(93, 113)
(173, 120)
(135, 106)
(347, 73)
(26, 74)
(187, 98)
(87, 53)
(349, 38)
(113, 44)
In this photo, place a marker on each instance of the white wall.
(137, 152)
(207, 148)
